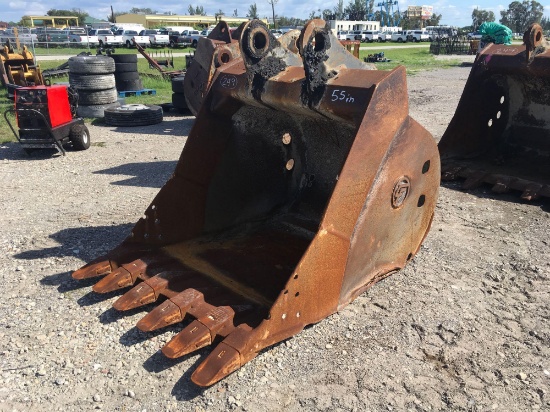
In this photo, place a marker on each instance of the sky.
(455, 13)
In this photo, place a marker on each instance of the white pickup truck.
(82, 38)
(418, 35)
(156, 39)
(128, 35)
(105, 37)
(399, 36)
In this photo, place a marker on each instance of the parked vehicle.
(369, 36)
(53, 37)
(190, 36)
(156, 38)
(399, 36)
(80, 37)
(384, 36)
(342, 35)
(175, 39)
(23, 33)
(105, 37)
(129, 35)
(417, 35)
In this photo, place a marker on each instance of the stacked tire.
(178, 96)
(129, 115)
(126, 73)
(93, 77)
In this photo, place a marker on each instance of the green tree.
(339, 13)
(315, 14)
(370, 7)
(328, 14)
(545, 23)
(519, 16)
(481, 16)
(196, 11)
(291, 22)
(235, 13)
(252, 12)
(137, 10)
(273, 3)
(73, 12)
(434, 20)
(356, 10)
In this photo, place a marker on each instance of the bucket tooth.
(139, 295)
(171, 311)
(222, 361)
(118, 279)
(93, 270)
(147, 291)
(167, 313)
(201, 332)
(124, 276)
(193, 337)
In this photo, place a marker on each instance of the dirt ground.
(465, 326)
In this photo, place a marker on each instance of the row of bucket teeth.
(209, 322)
(501, 183)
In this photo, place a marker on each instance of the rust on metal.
(500, 133)
(352, 46)
(218, 48)
(302, 183)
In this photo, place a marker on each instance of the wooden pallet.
(151, 92)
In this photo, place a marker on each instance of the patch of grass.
(414, 59)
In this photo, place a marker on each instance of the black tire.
(172, 44)
(128, 44)
(177, 84)
(124, 58)
(95, 111)
(125, 76)
(79, 136)
(133, 115)
(97, 97)
(129, 85)
(126, 67)
(194, 44)
(91, 65)
(92, 82)
(399, 40)
(178, 101)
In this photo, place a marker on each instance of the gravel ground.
(465, 326)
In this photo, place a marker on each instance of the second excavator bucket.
(219, 47)
(500, 133)
(302, 183)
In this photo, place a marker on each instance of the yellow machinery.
(19, 68)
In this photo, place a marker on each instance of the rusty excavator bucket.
(500, 133)
(303, 182)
